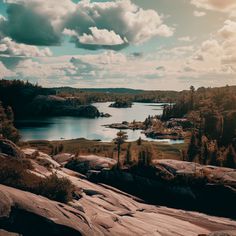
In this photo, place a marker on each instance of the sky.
(141, 44)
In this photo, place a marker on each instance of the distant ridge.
(100, 90)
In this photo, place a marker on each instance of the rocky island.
(121, 104)
(154, 128)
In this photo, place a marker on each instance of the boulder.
(84, 164)
(8, 148)
(63, 158)
(42, 158)
(30, 153)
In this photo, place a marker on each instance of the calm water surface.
(73, 127)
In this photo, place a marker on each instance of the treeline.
(7, 129)
(19, 94)
(213, 112)
(29, 100)
(107, 95)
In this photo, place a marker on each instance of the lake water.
(56, 128)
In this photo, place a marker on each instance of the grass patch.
(157, 150)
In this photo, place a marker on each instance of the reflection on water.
(73, 127)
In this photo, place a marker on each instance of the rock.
(99, 210)
(40, 157)
(30, 153)
(117, 213)
(63, 158)
(118, 126)
(106, 115)
(6, 233)
(84, 164)
(176, 184)
(47, 161)
(213, 174)
(121, 104)
(29, 214)
(10, 149)
(224, 233)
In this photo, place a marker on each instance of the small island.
(121, 104)
(155, 128)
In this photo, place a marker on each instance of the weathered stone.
(9, 148)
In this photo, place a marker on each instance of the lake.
(56, 128)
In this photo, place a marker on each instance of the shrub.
(16, 174)
(55, 188)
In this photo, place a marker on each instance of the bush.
(16, 174)
(58, 189)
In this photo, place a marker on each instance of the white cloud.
(233, 14)
(217, 5)
(228, 30)
(89, 23)
(9, 47)
(46, 73)
(4, 72)
(122, 19)
(199, 13)
(101, 37)
(219, 53)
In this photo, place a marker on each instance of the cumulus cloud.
(228, 43)
(90, 24)
(4, 72)
(131, 23)
(218, 54)
(101, 37)
(9, 47)
(28, 23)
(97, 38)
(43, 72)
(199, 13)
(228, 30)
(218, 5)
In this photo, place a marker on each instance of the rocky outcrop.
(10, 149)
(29, 214)
(99, 209)
(177, 184)
(63, 158)
(114, 212)
(85, 164)
(41, 158)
